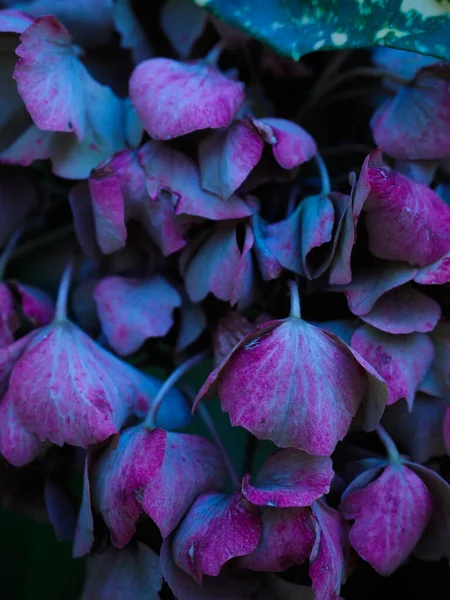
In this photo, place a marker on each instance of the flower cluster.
(208, 227)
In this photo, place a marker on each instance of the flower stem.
(389, 444)
(210, 426)
(295, 300)
(186, 366)
(63, 293)
(8, 250)
(325, 178)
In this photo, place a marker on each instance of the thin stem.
(325, 178)
(295, 299)
(8, 250)
(63, 292)
(389, 444)
(173, 379)
(212, 58)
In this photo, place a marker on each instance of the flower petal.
(437, 381)
(402, 360)
(390, 515)
(183, 23)
(173, 98)
(217, 528)
(132, 310)
(289, 478)
(37, 306)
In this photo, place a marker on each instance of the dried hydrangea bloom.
(216, 263)
(132, 573)
(174, 98)
(402, 360)
(390, 514)
(156, 472)
(406, 221)
(132, 310)
(296, 385)
(413, 124)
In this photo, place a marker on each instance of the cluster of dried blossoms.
(166, 222)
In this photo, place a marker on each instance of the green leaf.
(295, 27)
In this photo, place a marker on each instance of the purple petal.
(327, 561)
(402, 63)
(84, 530)
(132, 573)
(83, 219)
(419, 432)
(192, 323)
(405, 220)
(9, 355)
(37, 306)
(230, 330)
(404, 310)
(435, 274)
(289, 478)
(269, 266)
(167, 231)
(390, 515)
(17, 445)
(60, 510)
(273, 385)
(173, 98)
(227, 157)
(183, 23)
(225, 586)
(217, 528)
(343, 328)
(33, 144)
(133, 310)
(132, 35)
(291, 144)
(171, 170)
(67, 389)
(413, 124)
(157, 472)
(287, 539)
(402, 360)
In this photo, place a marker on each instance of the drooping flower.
(413, 124)
(153, 472)
(296, 385)
(173, 98)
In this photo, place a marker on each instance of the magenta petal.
(404, 310)
(406, 221)
(419, 432)
(435, 274)
(291, 144)
(37, 306)
(289, 478)
(402, 360)
(133, 310)
(157, 472)
(83, 219)
(170, 170)
(230, 330)
(14, 21)
(287, 539)
(226, 586)
(17, 445)
(300, 401)
(132, 573)
(413, 124)
(327, 561)
(217, 528)
(9, 319)
(67, 389)
(227, 157)
(435, 541)
(390, 515)
(173, 98)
